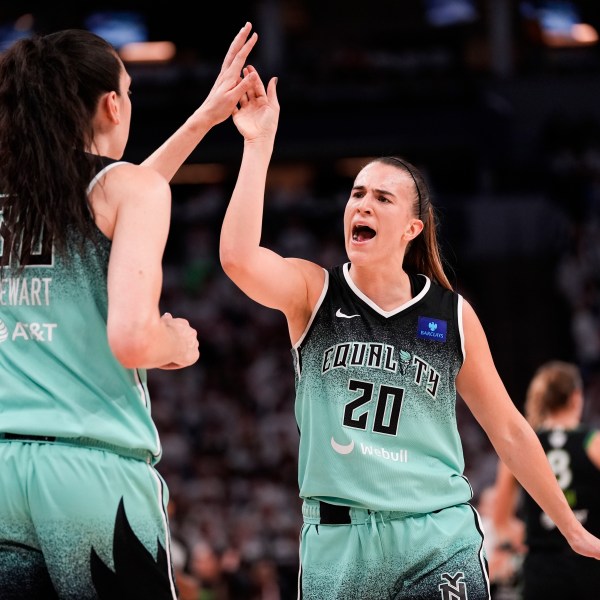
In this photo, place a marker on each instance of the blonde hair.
(550, 389)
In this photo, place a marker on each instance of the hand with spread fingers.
(258, 112)
(229, 86)
(218, 106)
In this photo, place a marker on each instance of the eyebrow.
(376, 190)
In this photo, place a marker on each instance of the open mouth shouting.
(362, 233)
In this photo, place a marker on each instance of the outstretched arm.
(216, 108)
(514, 440)
(288, 284)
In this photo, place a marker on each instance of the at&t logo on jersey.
(38, 332)
(432, 329)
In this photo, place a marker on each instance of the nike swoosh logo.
(339, 313)
(341, 448)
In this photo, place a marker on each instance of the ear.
(413, 229)
(108, 108)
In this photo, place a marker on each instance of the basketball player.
(381, 346)
(554, 407)
(82, 235)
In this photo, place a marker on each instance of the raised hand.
(257, 116)
(221, 101)
(229, 86)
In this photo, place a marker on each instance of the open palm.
(258, 112)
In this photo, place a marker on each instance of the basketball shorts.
(80, 523)
(356, 554)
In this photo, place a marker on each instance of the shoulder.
(135, 178)
(128, 183)
(422, 281)
(432, 292)
(127, 189)
(471, 325)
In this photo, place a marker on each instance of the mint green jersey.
(58, 375)
(376, 400)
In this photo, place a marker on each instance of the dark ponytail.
(49, 90)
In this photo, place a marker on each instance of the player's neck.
(388, 293)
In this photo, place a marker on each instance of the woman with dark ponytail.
(381, 347)
(82, 235)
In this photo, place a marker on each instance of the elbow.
(130, 343)
(510, 440)
(231, 261)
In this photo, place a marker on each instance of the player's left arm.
(517, 445)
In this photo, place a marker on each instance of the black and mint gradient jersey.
(579, 479)
(376, 399)
(58, 374)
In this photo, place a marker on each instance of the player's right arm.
(290, 285)
(132, 206)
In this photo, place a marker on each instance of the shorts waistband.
(317, 512)
(83, 442)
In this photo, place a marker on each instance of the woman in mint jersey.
(381, 346)
(82, 235)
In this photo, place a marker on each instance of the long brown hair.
(49, 91)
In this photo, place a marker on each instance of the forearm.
(524, 456)
(146, 343)
(168, 158)
(138, 335)
(242, 224)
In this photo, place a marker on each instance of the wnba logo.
(454, 587)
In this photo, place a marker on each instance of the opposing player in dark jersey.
(554, 407)
(381, 345)
(82, 235)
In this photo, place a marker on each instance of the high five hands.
(230, 85)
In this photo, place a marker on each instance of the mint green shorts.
(79, 523)
(356, 554)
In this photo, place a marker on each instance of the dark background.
(506, 127)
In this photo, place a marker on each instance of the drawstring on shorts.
(373, 519)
